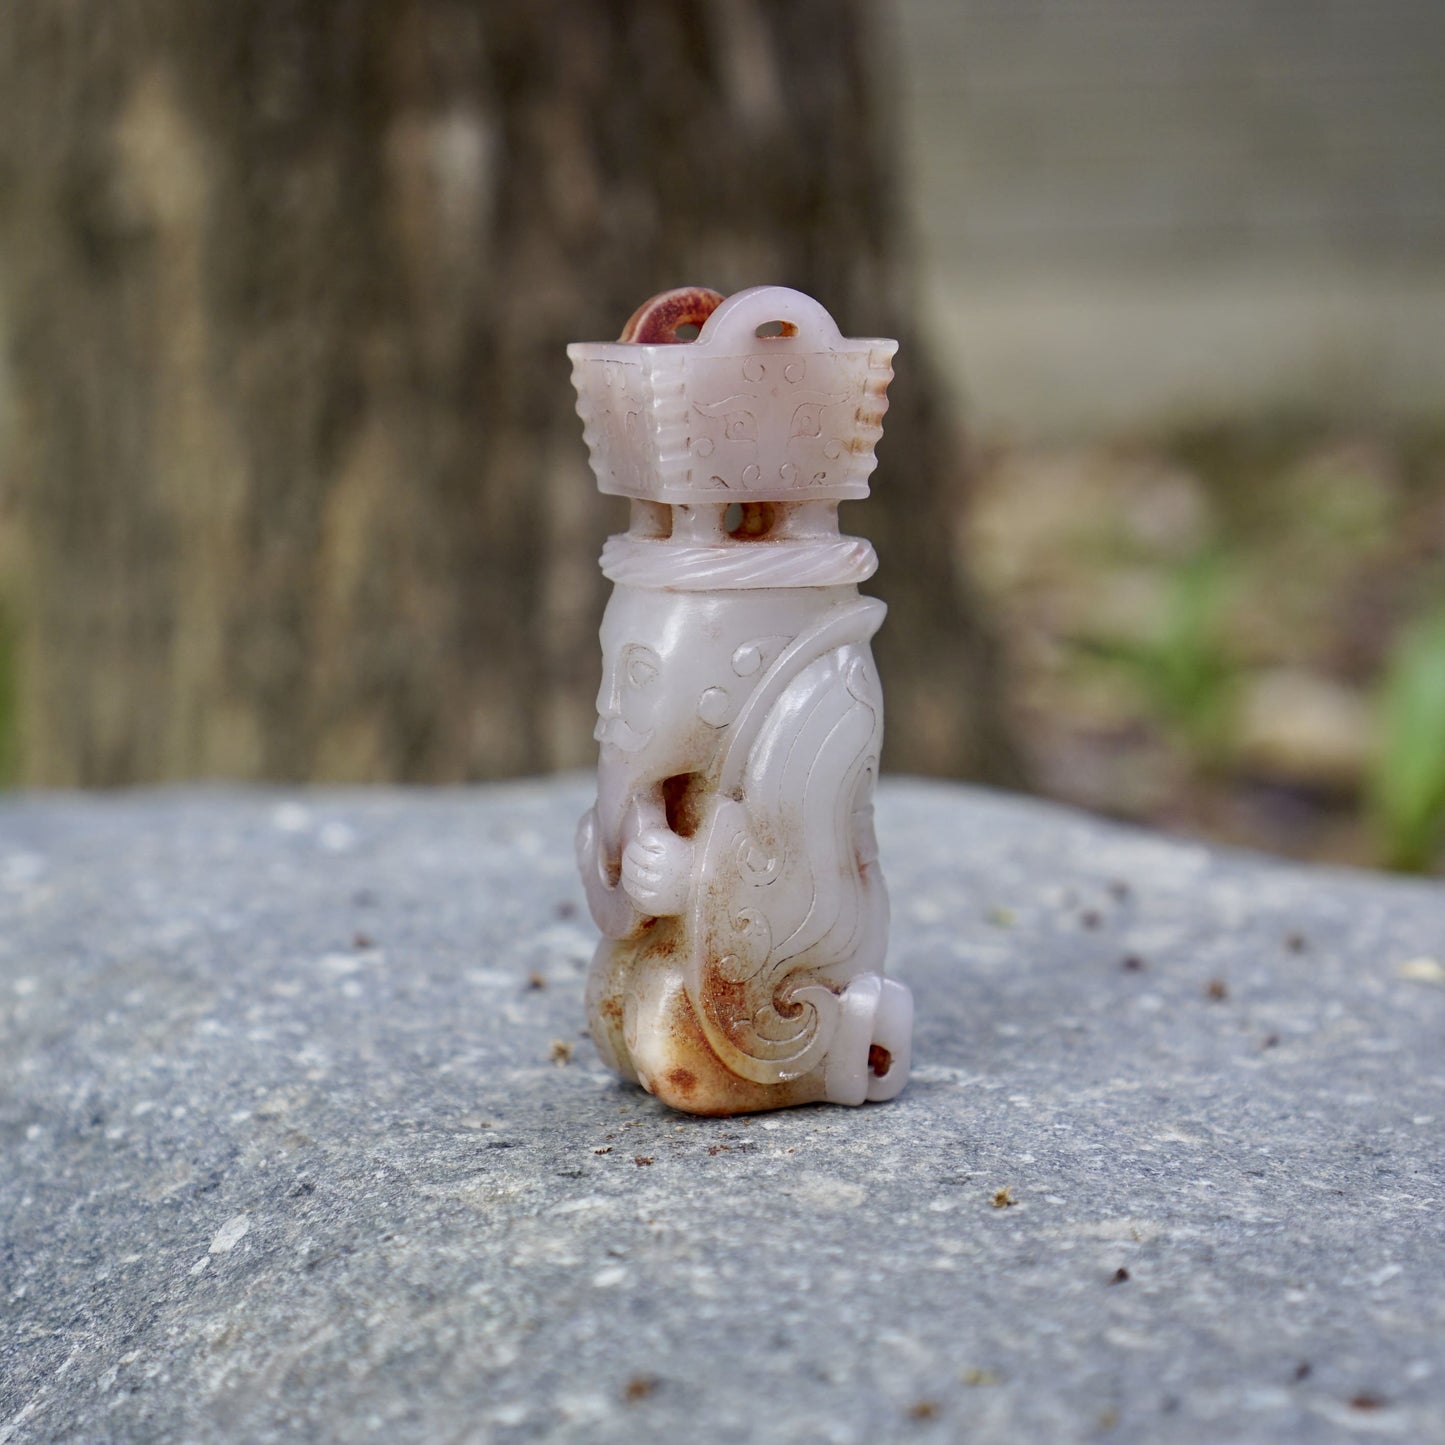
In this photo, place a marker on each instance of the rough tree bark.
(297, 487)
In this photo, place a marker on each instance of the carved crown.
(738, 414)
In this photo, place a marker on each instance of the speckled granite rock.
(290, 1147)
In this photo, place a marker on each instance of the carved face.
(655, 662)
(630, 699)
(676, 667)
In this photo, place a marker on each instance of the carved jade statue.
(730, 857)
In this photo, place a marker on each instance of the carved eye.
(641, 670)
(740, 426)
(808, 420)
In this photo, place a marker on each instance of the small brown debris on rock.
(1003, 1198)
(923, 1410)
(1090, 918)
(641, 1159)
(1367, 1401)
(536, 981)
(606, 1149)
(1132, 963)
(716, 1149)
(1120, 1276)
(1303, 1370)
(561, 1052)
(363, 941)
(1119, 891)
(1296, 942)
(639, 1387)
(1271, 1041)
(1216, 990)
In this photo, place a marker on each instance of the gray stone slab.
(284, 1153)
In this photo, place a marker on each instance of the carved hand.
(657, 871)
(612, 909)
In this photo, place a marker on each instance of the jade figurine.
(730, 860)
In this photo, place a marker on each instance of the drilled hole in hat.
(650, 519)
(749, 521)
(686, 332)
(770, 329)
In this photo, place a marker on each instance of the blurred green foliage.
(1184, 670)
(1408, 784)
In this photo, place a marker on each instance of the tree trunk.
(298, 490)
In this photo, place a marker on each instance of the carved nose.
(609, 712)
(608, 706)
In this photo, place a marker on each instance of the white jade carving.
(730, 859)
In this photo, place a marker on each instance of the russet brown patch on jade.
(657, 320)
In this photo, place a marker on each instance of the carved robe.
(744, 998)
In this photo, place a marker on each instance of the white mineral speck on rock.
(230, 1234)
(291, 818)
(18, 869)
(828, 1195)
(1422, 970)
(337, 838)
(509, 1415)
(582, 1205)
(491, 978)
